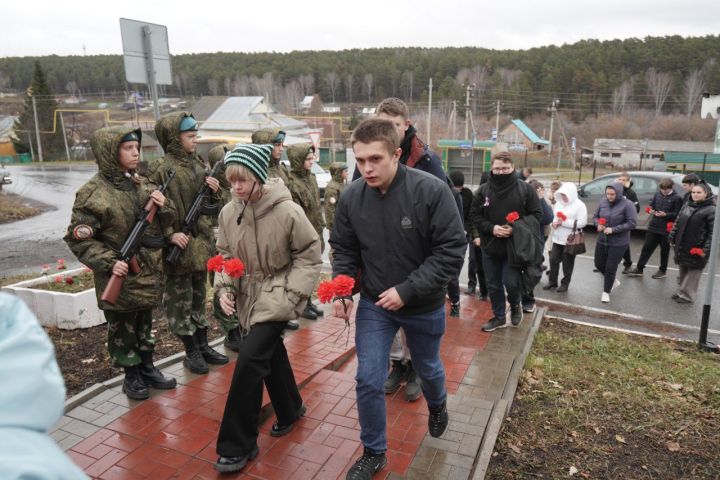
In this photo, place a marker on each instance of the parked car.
(645, 184)
(4, 176)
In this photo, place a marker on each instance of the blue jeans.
(375, 329)
(501, 277)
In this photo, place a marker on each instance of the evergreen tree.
(52, 142)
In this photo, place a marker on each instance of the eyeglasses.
(502, 169)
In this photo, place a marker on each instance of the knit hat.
(253, 157)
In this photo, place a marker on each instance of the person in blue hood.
(615, 218)
(32, 399)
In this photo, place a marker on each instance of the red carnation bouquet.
(512, 217)
(648, 210)
(602, 222)
(339, 287)
(698, 252)
(232, 267)
(561, 216)
(669, 226)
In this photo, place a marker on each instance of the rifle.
(132, 245)
(193, 214)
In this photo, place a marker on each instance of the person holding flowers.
(279, 249)
(690, 237)
(663, 209)
(615, 218)
(570, 214)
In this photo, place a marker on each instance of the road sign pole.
(147, 39)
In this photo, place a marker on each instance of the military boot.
(152, 376)
(232, 339)
(316, 309)
(194, 360)
(133, 385)
(211, 356)
(309, 313)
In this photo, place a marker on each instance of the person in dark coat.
(629, 193)
(615, 218)
(691, 237)
(664, 207)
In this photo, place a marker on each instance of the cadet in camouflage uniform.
(339, 173)
(186, 282)
(305, 192)
(276, 138)
(105, 211)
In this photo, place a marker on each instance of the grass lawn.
(598, 404)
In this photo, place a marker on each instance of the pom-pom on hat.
(253, 157)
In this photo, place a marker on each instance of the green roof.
(479, 144)
(689, 157)
(527, 131)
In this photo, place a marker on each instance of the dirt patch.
(14, 207)
(83, 358)
(599, 404)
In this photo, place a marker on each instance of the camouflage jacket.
(303, 186)
(275, 168)
(278, 170)
(190, 173)
(217, 154)
(332, 192)
(104, 213)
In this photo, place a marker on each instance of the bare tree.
(368, 84)
(659, 86)
(178, 83)
(289, 96)
(349, 86)
(692, 91)
(269, 88)
(71, 87)
(241, 85)
(228, 85)
(332, 80)
(408, 80)
(509, 77)
(213, 86)
(307, 84)
(620, 97)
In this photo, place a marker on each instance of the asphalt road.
(641, 304)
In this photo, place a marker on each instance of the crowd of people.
(254, 231)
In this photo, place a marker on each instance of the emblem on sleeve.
(332, 200)
(82, 232)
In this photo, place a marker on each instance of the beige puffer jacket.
(281, 253)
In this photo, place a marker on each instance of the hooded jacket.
(281, 253)
(32, 399)
(217, 154)
(620, 215)
(105, 211)
(303, 186)
(190, 173)
(693, 229)
(333, 190)
(670, 204)
(574, 210)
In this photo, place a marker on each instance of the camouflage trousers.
(128, 335)
(184, 302)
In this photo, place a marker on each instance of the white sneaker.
(605, 297)
(615, 284)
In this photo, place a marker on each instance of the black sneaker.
(470, 290)
(455, 310)
(529, 308)
(438, 420)
(316, 309)
(516, 315)
(278, 430)
(366, 466)
(232, 339)
(412, 387)
(397, 375)
(482, 296)
(292, 325)
(659, 274)
(493, 324)
(562, 288)
(233, 464)
(626, 269)
(634, 272)
(549, 286)
(309, 313)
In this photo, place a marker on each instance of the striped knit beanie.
(253, 157)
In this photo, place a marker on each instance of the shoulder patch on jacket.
(83, 232)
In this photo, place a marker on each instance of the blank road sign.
(135, 55)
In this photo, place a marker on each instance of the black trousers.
(476, 271)
(607, 260)
(627, 259)
(558, 256)
(453, 290)
(652, 240)
(262, 356)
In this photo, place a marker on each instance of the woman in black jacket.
(691, 237)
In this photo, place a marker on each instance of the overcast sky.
(44, 27)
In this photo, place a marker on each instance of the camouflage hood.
(336, 170)
(167, 131)
(217, 154)
(105, 144)
(297, 155)
(264, 136)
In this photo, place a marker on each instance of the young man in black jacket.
(502, 195)
(400, 227)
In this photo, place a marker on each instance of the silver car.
(4, 176)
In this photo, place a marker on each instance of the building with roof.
(519, 136)
(638, 154)
(7, 124)
(470, 158)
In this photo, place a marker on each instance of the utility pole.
(37, 128)
(468, 118)
(64, 134)
(429, 121)
(553, 109)
(497, 119)
(452, 119)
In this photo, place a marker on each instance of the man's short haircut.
(536, 184)
(693, 178)
(504, 157)
(457, 178)
(666, 183)
(528, 170)
(624, 174)
(394, 107)
(377, 130)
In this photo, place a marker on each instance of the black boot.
(194, 360)
(211, 356)
(412, 387)
(152, 376)
(232, 339)
(133, 385)
(397, 375)
(316, 309)
(309, 313)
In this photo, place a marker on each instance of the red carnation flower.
(234, 267)
(343, 285)
(69, 280)
(215, 264)
(326, 291)
(561, 216)
(58, 279)
(602, 221)
(648, 209)
(512, 217)
(61, 264)
(698, 252)
(669, 226)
